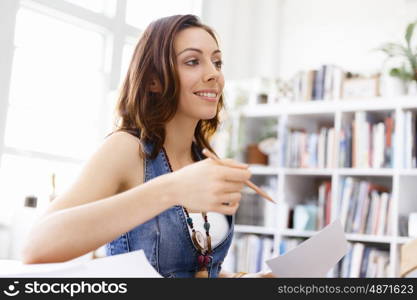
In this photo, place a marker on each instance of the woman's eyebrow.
(197, 50)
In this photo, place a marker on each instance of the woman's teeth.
(209, 95)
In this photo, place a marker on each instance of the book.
(348, 161)
(389, 132)
(364, 264)
(383, 214)
(267, 252)
(338, 78)
(330, 148)
(358, 215)
(412, 140)
(408, 140)
(346, 262)
(328, 204)
(353, 202)
(365, 212)
(347, 192)
(372, 212)
(327, 86)
(356, 260)
(319, 84)
(376, 215)
(321, 206)
(342, 148)
(322, 148)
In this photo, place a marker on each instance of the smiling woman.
(170, 72)
(149, 186)
(199, 70)
(186, 102)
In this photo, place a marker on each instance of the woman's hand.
(208, 186)
(259, 275)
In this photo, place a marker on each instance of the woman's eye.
(192, 62)
(218, 64)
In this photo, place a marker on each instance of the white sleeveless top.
(219, 226)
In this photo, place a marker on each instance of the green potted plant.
(406, 54)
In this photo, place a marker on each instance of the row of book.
(364, 207)
(309, 149)
(287, 244)
(410, 128)
(324, 83)
(366, 142)
(362, 261)
(316, 213)
(248, 253)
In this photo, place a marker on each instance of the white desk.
(132, 264)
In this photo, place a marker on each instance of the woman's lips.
(210, 99)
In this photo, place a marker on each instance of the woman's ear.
(155, 86)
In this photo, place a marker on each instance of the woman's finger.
(228, 209)
(230, 198)
(234, 174)
(231, 187)
(234, 164)
(268, 275)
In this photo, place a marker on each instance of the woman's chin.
(208, 116)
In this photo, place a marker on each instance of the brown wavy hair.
(140, 110)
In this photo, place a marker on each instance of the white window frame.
(115, 29)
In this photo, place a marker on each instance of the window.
(128, 49)
(53, 106)
(98, 6)
(140, 16)
(63, 87)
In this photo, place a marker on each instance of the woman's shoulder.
(126, 135)
(124, 142)
(127, 147)
(133, 132)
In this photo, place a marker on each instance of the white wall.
(248, 32)
(279, 37)
(340, 32)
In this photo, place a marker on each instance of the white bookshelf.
(353, 237)
(255, 229)
(403, 182)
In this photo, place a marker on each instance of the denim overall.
(165, 239)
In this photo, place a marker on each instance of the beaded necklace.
(203, 246)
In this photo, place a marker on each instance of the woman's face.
(199, 68)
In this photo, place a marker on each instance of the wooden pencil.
(249, 183)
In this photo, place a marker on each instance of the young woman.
(148, 186)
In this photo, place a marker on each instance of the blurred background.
(62, 63)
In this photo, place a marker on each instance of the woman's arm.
(92, 213)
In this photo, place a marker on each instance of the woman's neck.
(178, 140)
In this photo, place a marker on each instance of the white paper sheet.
(132, 264)
(315, 256)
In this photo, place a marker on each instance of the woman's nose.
(212, 73)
